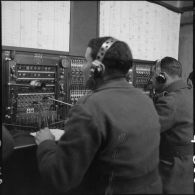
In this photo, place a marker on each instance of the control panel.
(33, 86)
(77, 85)
(141, 75)
(40, 88)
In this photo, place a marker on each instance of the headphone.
(160, 78)
(98, 68)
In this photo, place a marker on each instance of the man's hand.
(44, 134)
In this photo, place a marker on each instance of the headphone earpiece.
(161, 78)
(97, 68)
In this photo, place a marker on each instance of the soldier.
(174, 104)
(111, 144)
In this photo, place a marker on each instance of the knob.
(7, 116)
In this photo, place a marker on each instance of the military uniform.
(111, 145)
(174, 105)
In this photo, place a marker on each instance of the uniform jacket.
(112, 138)
(175, 108)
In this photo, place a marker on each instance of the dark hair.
(118, 57)
(171, 66)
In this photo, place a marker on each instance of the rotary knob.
(7, 116)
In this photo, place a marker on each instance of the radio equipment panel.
(77, 86)
(28, 105)
(40, 88)
(141, 75)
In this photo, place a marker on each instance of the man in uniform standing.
(111, 144)
(174, 104)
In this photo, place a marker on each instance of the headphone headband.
(97, 69)
(104, 48)
(158, 66)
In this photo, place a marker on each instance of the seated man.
(111, 144)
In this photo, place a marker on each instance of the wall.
(83, 25)
(179, 4)
(45, 25)
(186, 43)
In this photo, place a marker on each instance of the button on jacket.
(175, 108)
(111, 144)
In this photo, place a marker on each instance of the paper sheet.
(56, 132)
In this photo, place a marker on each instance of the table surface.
(23, 140)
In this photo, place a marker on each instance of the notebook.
(56, 132)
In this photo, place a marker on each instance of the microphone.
(47, 97)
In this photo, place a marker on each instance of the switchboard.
(77, 86)
(141, 75)
(40, 88)
(33, 86)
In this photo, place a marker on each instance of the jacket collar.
(117, 82)
(180, 84)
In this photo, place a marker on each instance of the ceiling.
(180, 5)
(186, 7)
